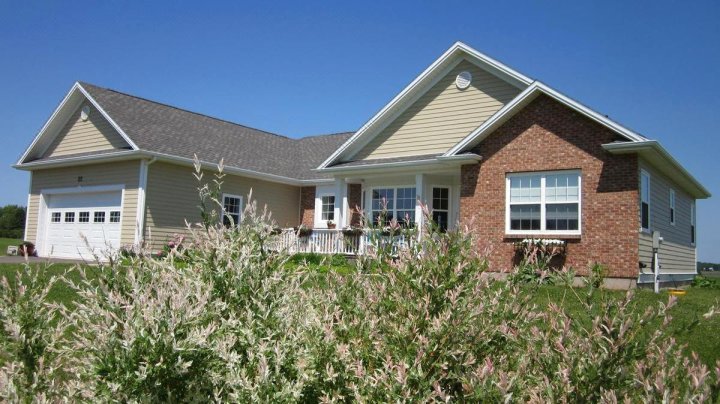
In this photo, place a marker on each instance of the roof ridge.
(82, 83)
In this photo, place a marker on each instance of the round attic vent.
(85, 113)
(462, 81)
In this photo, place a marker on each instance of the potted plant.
(27, 248)
(303, 231)
(330, 224)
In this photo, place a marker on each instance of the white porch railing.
(334, 241)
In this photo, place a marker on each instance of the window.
(84, 217)
(692, 223)
(645, 200)
(441, 207)
(115, 216)
(99, 217)
(231, 210)
(327, 212)
(543, 203)
(55, 217)
(69, 217)
(672, 207)
(389, 203)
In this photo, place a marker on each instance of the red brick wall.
(307, 206)
(546, 135)
(354, 203)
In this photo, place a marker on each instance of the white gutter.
(141, 202)
(70, 161)
(652, 149)
(435, 161)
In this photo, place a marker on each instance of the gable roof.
(522, 100)
(456, 53)
(165, 131)
(649, 149)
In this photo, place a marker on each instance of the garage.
(81, 225)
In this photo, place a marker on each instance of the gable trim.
(107, 116)
(522, 100)
(63, 104)
(458, 48)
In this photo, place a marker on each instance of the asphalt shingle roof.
(161, 128)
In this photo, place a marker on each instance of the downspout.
(141, 206)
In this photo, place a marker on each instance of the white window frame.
(543, 175)
(322, 206)
(449, 199)
(240, 207)
(673, 212)
(645, 174)
(394, 209)
(693, 225)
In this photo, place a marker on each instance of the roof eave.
(79, 160)
(438, 162)
(656, 154)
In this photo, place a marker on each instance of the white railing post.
(420, 199)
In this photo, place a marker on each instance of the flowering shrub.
(230, 323)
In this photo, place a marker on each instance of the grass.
(688, 325)
(5, 242)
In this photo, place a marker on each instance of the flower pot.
(331, 226)
(28, 250)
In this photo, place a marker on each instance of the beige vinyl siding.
(676, 252)
(126, 173)
(79, 136)
(442, 116)
(673, 257)
(172, 198)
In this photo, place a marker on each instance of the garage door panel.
(85, 228)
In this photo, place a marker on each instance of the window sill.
(513, 236)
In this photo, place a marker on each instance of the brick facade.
(307, 206)
(545, 136)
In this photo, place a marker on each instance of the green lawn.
(5, 242)
(688, 326)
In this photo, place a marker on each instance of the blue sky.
(319, 67)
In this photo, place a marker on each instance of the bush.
(422, 324)
(706, 283)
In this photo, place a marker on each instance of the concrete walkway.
(18, 259)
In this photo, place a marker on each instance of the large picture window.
(232, 208)
(389, 203)
(543, 203)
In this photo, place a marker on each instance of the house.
(480, 143)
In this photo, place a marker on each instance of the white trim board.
(420, 84)
(522, 100)
(72, 100)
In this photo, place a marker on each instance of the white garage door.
(79, 225)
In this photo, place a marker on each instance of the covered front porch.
(363, 200)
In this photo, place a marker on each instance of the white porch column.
(421, 198)
(340, 202)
